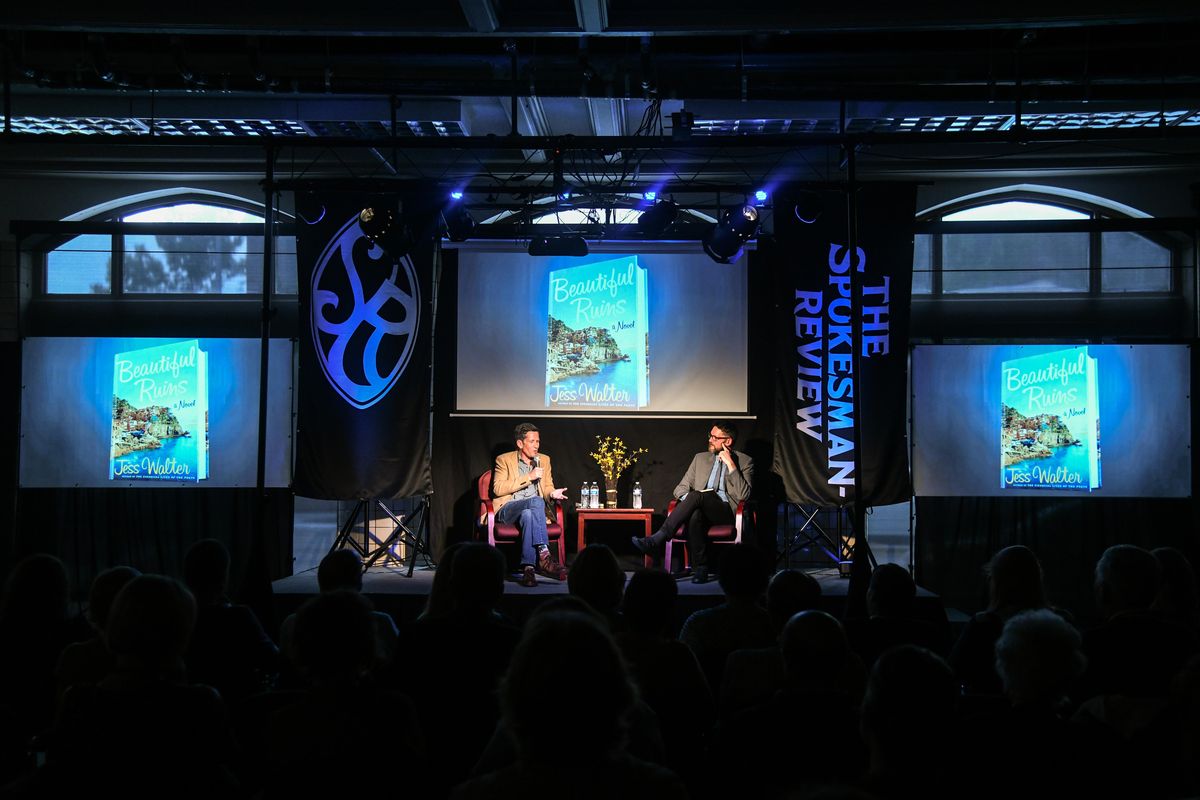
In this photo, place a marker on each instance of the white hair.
(1038, 655)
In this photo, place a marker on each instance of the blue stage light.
(456, 195)
(761, 195)
(651, 196)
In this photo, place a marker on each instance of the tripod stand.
(417, 541)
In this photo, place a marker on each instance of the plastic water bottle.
(585, 496)
(637, 494)
(594, 496)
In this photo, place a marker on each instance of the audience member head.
(1127, 579)
(649, 601)
(334, 638)
(206, 571)
(909, 709)
(790, 592)
(1177, 599)
(1038, 655)
(743, 572)
(814, 648)
(561, 643)
(597, 578)
(104, 590)
(476, 578)
(1015, 581)
(37, 592)
(440, 602)
(150, 622)
(891, 592)
(340, 570)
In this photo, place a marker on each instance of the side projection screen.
(1065, 420)
(621, 332)
(152, 412)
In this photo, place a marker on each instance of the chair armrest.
(487, 509)
(737, 521)
(671, 506)
(558, 515)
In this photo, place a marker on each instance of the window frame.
(44, 238)
(1167, 233)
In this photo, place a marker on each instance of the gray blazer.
(737, 483)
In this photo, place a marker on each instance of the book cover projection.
(598, 337)
(160, 414)
(1050, 422)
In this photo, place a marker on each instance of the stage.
(391, 590)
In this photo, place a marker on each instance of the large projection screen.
(1052, 420)
(621, 332)
(125, 412)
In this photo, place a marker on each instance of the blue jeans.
(529, 515)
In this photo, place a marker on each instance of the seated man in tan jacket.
(521, 485)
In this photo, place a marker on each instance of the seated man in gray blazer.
(716, 481)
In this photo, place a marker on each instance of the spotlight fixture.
(760, 196)
(456, 195)
(558, 246)
(657, 218)
(724, 242)
(381, 224)
(808, 207)
(650, 196)
(377, 218)
(458, 222)
(309, 207)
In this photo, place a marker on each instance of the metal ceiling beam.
(592, 15)
(481, 15)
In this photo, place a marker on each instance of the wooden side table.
(617, 514)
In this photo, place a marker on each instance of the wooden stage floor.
(390, 589)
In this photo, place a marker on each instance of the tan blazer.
(506, 481)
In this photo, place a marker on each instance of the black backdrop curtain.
(151, 529)
(957, 535)
(466, 446)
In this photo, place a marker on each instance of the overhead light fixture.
(760, 196)
(309, 207)
(458, 222)
(808, 207)
(724, 242)
(381, 224)
(655, 220)
(558, 246)
(456, 195)
(651, 195)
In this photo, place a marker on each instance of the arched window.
(1054, 259)
(154, 255)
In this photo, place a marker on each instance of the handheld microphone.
(536, 463)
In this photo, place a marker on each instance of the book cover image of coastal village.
(598, 336)
(1050, 421)
(160, 413)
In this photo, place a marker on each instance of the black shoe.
(701, 575)
(645, 545)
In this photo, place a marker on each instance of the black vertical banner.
(816, 431)
(362, 428)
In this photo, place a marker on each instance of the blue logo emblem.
(363, 343)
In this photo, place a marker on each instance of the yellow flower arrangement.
(614, 457)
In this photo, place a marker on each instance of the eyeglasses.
(712, 438)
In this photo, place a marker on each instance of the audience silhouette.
(229, 649)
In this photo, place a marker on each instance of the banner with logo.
(818, 436)
(362, 427)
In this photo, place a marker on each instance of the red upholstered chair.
(717, 534)
(499, 533)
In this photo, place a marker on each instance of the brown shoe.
(527, 577)
(549, 567)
